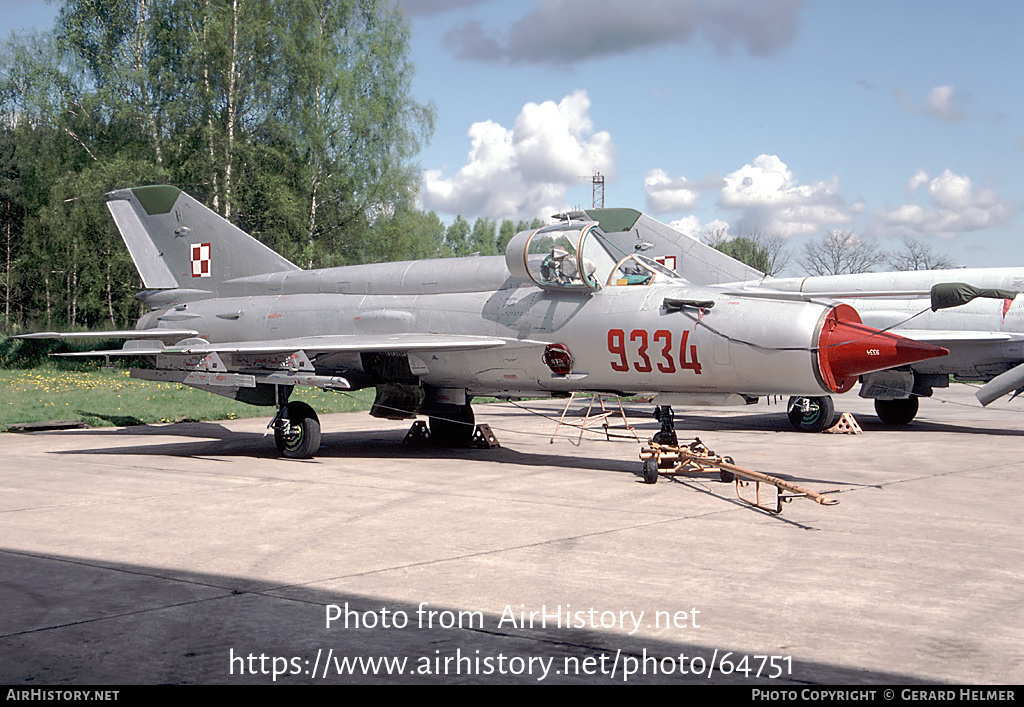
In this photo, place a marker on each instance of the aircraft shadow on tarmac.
(931, 426)
(86, 621)
(369, 446)
(732, 420)
(211, 439)
(778, 422)
(214, 440)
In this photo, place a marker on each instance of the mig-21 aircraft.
(564, 310)
(979, 320)
(982, 329)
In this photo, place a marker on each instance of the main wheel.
(650, 470)
(897, 412)
(727, 476)
(453, 429)
(816, 417)
(298, 437)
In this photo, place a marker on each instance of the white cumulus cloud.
(956, 193)
(527, 170)
(773, 201)
(919, 179)
(691, 226)
(957, 207)
(665, 195)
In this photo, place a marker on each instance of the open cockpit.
(579, 257)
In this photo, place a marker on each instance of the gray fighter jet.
(565, 310)
(984, 333)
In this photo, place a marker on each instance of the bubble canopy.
(576, 257)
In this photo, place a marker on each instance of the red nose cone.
(847, 349)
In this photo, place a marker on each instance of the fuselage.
(621, 338)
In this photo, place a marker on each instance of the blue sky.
(785, 116)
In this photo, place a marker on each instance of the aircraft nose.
(847, 348)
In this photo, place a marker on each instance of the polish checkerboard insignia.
(201, 260)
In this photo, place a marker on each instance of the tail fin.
(176, 242)
(697, 262)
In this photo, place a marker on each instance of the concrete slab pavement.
(189, 553)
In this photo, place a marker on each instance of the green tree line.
(294, 119)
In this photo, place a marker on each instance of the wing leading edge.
(312, 345)
(227, 368)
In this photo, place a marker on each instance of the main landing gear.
(296, 430)
(453, 429)
(897, 412)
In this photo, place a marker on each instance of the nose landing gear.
(811, 414)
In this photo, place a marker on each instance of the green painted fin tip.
(157, 199)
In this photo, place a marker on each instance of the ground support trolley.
(695, 458)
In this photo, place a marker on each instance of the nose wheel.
(811, 414)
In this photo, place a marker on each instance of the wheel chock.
(846, 426)
(484, 438)
(419, 433)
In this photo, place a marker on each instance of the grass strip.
(107, 397)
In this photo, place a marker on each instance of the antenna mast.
(598, 182)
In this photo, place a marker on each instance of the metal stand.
(592, 417)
